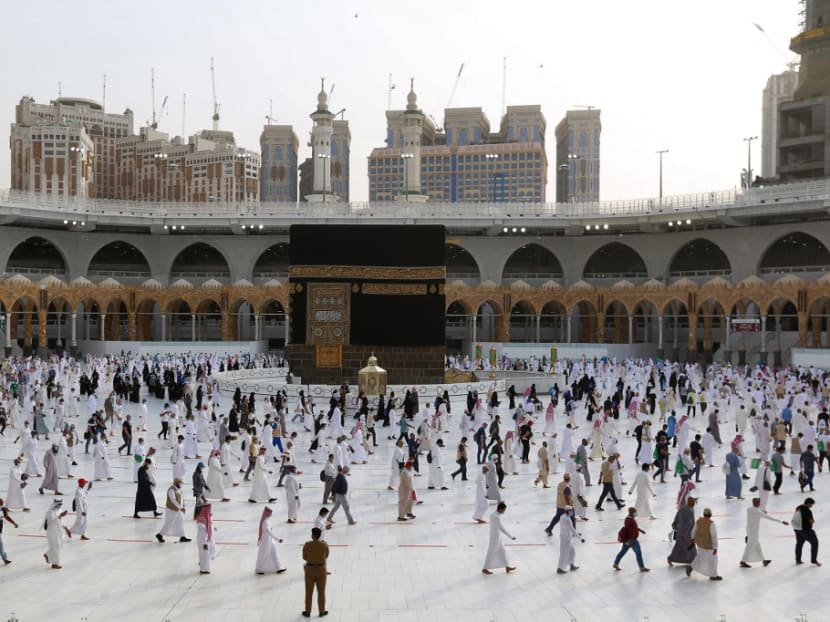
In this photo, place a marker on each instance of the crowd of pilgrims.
(678, 414)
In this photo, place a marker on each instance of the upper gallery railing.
(72, 208)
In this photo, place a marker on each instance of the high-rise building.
(464, 161)
(71, 146)
(341, 140)
(103, 129)
(780, 88)
(577, 156)
(804, 122)
(208, 167)
(278, 178)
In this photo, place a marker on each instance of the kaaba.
(362, 289)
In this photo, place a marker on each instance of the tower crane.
(215, 103)
(455, 86)
(153, 123)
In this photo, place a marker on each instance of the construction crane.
(455, 86)
(340, 112)
(270, 116)
(215, 103)
(584, 106)
(787, 60)
(270, 119)
(389, 90)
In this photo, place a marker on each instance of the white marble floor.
(426, 569)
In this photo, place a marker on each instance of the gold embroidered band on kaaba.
(368, 272)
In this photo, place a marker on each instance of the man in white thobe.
(292, 493)
(173, 514)
(79, 505)
(53, 524)
(568, 535)
(752, 550)
(481, 496)
(705, 537)
(496, 555)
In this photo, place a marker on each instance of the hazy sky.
(686, 76)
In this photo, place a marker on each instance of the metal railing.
(80, 208)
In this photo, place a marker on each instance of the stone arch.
(699, 258)
(711, 319)
(552, 321)
(200, 261)
(461, 264)
(795, 252)
(615, 260)
(644, 320)
(208, 320)
(615, 327)
(179, 320)
(25, 327)
(523, 322)
(782, 315)
(457, 325)
(819, 322)
(148, 319)
(116, 320)
(489, 322)
(119, 259)
(37, 255)
(584, 319)
(273, 322)
(88, 311)
(272, 263)
(532, 261)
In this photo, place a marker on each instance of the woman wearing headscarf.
(259, 489)
(509, 453)
(145, 500)
(204, 538)
(267, 559)
(215, 481)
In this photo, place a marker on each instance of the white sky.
(686, 76)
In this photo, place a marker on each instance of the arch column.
(27, 329)
(503, 328)
(802, 329)
(815, 332)
(102, 327)
(568, 338)
(660, 336)
(131, 326)
(42, 343)
(727, 339)
(707, 337)
(692, 337)
(675, 349)
(599, 332)
(763, 349)
(225, 326)
(73, 344)
(8, 348)
(164, 327)
(630, 329)
(192, 327)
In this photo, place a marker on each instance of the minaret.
(321, 148)
(413, 127)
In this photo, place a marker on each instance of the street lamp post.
(406, 157)
(324, 157)
(491, 160)
(748, 140)
(660, 153)
(79, 150)
(161, 158)
(572, 158)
